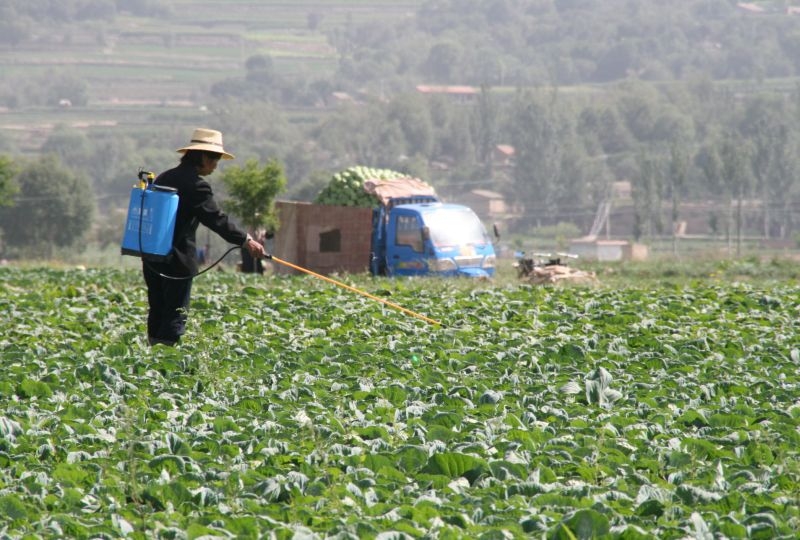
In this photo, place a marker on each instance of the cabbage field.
(295, 409)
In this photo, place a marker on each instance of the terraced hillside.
(134, 64)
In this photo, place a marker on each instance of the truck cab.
(423, 236)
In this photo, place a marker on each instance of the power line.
(57, 197)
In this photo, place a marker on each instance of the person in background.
(169, 283)
(249, 263)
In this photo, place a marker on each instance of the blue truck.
(414, 235)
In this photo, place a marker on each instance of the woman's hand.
(256, 249)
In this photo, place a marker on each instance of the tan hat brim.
(207, 148)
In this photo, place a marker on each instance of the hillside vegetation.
(689, 102)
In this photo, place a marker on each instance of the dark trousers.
(169, 306)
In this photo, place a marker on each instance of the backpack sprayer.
(150, 227)
(151, 219)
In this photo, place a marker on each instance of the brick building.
(323, 238)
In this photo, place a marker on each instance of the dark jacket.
(196, 205)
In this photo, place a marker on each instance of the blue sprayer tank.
(150, 225)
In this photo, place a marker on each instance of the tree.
(252, 190)
(66, 86)
(14, 30)
(113, 164)
(734, 154)
(70, 146)
(646, 194)
(603, 122)
(412, 116)
(783, 181)
(8, 186)
(54, 209)
(639, 107)
(258, 129)
(543, 139)
(485, 125)
(260, 69)
(677, 175)
(769, 125)
(443, 61)
(363, 135)
(616, 62)
(709, 161)
(456, 140)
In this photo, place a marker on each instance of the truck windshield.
(455, 227)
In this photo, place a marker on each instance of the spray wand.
(353, 289)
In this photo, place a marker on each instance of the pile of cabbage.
(346, 188)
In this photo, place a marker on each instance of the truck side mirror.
(426, 233)
(496, 230)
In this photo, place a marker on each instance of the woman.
(168, 297)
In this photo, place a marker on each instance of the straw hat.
(209, 140)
